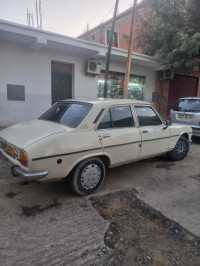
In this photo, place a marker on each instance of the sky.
(68, 17)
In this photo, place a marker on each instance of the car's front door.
(120, 139)
(155, 135)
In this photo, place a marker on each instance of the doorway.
(61, 81)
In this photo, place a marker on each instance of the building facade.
(100, 33)
(37, 68)
(169, 88)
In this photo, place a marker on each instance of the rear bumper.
(18, 171)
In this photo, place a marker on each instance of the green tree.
(170, 31)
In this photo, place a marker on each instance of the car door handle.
(145, 131)
(106, 136)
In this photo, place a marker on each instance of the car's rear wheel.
(180, 150)
(88, 176)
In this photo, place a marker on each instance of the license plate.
(9, 150)
(186, 116)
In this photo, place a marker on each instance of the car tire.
(88, 176)
(180, 150)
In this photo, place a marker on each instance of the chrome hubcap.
(180, 149)
(90, 176)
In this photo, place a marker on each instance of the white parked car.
(187, 111)
(80, 139)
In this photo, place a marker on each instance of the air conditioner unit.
(93, 67)
(168, 74)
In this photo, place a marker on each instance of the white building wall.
(21, 65)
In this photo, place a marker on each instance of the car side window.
(121, 116)
(106, 121)
(117, 117)
(147, 116)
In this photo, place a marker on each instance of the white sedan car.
(80, 139)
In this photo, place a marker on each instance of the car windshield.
(67, 113)
(187, 105)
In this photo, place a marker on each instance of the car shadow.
(196, 140)
(60, 188)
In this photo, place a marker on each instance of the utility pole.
(130, 45)
(37, 14)
(109, 50)
(40, 13)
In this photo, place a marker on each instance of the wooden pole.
(130, 45)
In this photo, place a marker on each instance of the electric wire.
(107, 14)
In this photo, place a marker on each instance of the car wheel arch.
(104, 158)
(185, 135)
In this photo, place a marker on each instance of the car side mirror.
(168, 123)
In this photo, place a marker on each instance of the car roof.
(106, 102)
(198, 98)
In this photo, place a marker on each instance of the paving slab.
(47, 225)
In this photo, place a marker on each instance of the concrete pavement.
(47, 225)
(173, 188)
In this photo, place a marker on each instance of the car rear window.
(68, 114)
(187, 105)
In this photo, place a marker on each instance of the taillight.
(170, 116)
(23, 158)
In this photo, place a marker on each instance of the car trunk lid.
(24, 134)
(189, 118)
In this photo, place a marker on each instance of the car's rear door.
(119, 137)
(155, 135)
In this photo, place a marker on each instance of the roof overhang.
(39, 39)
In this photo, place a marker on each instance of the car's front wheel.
(88, 176)
(180, 150)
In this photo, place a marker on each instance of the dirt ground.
(139, 235)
